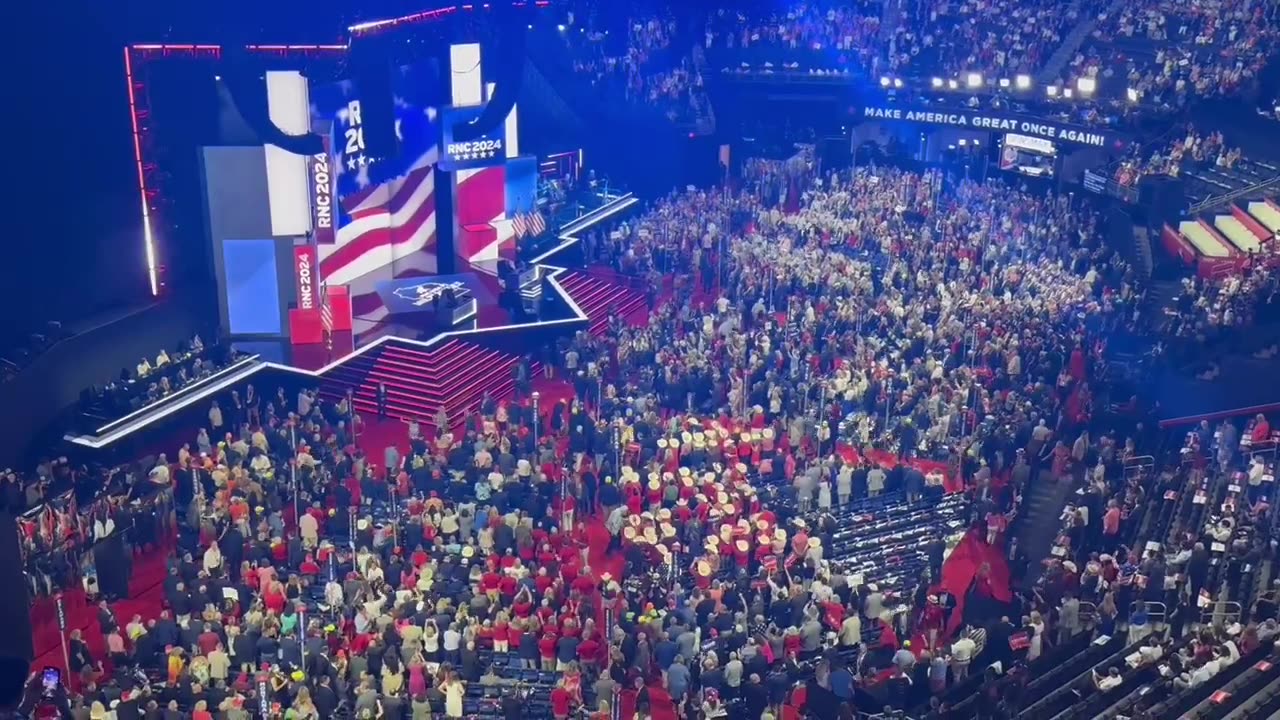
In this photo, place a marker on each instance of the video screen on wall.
(384, 224)
(1028, 155)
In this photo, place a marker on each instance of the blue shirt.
(842, 683)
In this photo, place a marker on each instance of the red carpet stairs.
(454, 375)
(602, 299)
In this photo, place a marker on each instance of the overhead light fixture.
(884, 81)
(974, 80)
(1051, 91)
(1023, 82)
(936, 82)
(1086, 85)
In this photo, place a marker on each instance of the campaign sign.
(484, 151)
(416, 295)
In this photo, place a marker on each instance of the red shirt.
(490, 581)
(514, 636)
(584, 584)
(547, 645)
(1111, 521)
(542, 582)
(588, 649)
(508, 585)
(560, 699)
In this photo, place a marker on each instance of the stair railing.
(1214, 202)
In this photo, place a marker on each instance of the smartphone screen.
(50, 680)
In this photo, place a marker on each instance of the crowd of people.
(1170, 54)
(997, 39)
(153, 379)
(1189, 150)
(805, 37)
(651, 67)
(833, 348)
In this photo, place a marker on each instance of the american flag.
(532, 224)
(326, 310)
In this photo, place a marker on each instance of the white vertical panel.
(465, 82)
(287, 106)
(510, 128)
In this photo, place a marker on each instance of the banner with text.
(995, 121)
(320, 174)
(305, 264)
(485, 151)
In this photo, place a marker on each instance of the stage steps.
(454, 375)
(601, 299)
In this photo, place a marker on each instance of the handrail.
(1156, 611)
(1215, 201)
(1143, 460)
(1088, 612)
(1224, 612)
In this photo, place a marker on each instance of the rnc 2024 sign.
(994, 122)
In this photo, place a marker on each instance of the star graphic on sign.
(363, 161)
(351, 163)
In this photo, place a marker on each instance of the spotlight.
(1004, 82)
(560, 27)
(1068, 94)
(884, 81)
(1086, 85)
(936, 82)
(1023, 82)
(952, 84)
(1133, 95)
(977, 142)
(974, 80)
(1051, 91)
(963, 142)
(897, 83)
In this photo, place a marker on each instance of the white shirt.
(962, 650)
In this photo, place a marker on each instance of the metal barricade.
(1088, 614)
(1221, 613)
(1138, 464)
(1157, 612)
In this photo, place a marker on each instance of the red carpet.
(963, 565)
